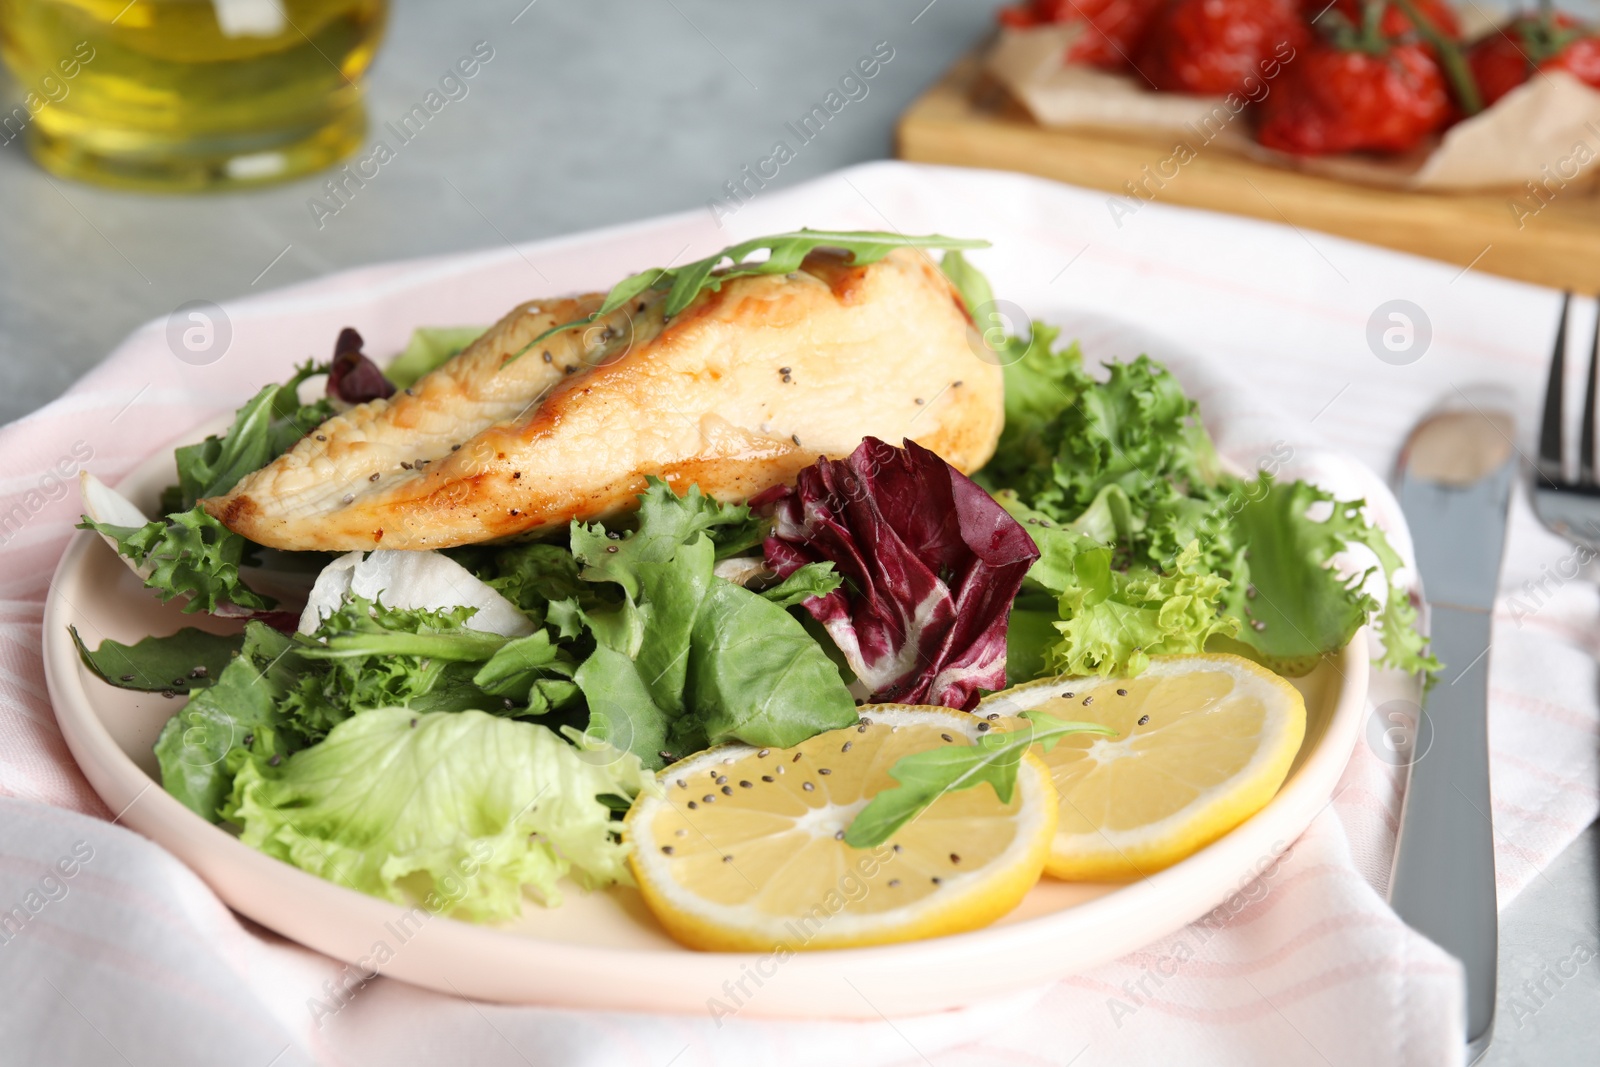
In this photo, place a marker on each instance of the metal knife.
(1456, 474)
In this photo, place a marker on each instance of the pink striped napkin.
(131, 956)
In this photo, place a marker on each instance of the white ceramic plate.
(604, 950)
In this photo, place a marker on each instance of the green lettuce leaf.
(194, 556)
(529, 575)
(1159, 537)
(1109, 619)
(1126, 460)
(622, 712)
(1293, 604)
(369, 655)
(809, 580)
(462, 812)
(430, 348)
(517, 666)
(684, 658)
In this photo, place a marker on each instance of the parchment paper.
(1546, 131)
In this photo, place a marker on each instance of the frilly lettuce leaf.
(462, 811)
(191, 555)
(1145, 538)
(1110, 619)
(1293, 603)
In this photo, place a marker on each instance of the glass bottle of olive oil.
(187, 94)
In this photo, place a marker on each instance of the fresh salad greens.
(680, 658)
(1149, 546)
(189, 555)
(466, 806)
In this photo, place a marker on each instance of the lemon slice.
(744, 850)
(1203, 742)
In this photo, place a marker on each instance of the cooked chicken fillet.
(737, 393)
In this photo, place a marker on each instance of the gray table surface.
(590, 114)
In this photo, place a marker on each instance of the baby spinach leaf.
(756, 676)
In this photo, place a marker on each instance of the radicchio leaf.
(930, 564)
(353, 378)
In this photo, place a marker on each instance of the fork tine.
(1586, 441)
(1550, 442)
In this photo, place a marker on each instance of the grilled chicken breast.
(737, 393)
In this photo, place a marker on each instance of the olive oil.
(188, 94)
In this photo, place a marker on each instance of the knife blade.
(1456, 474)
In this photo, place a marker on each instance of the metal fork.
(1571, 508)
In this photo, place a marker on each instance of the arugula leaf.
(786, 251)
(974, 288)
(926, 776)
(430, 348)
(266, 427)
(192, 555)
(236, 719)
(177, 663)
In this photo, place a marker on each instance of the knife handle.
(1442, 883)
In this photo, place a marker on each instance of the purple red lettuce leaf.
(930, 562)
(352, 377)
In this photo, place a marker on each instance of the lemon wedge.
(1203, 742)
(744, 848)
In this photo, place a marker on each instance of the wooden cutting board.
(968, 121)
